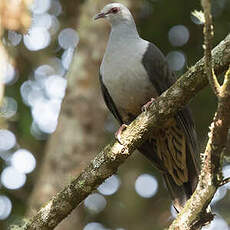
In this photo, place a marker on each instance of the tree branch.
(208, 36)
(225, 181)
(108, 160)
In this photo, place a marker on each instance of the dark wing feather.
(109, 101)
(157, 68)
(162, 78)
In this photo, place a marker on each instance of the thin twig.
(225, 89)
(107, 162)
(208, 37)
(224, 182)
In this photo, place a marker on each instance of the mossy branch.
(112, 156)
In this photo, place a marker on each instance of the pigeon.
(133, 72)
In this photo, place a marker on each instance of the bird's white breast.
(125, 77)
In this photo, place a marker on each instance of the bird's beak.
(98, 16)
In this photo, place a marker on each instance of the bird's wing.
(109, 101)
(157, 69)
(181, 162)
(162, 78)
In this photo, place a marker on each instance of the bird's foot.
(119, 131)
(146, 106)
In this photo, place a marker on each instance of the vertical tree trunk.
(80, 132)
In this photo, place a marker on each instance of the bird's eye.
(114, 10)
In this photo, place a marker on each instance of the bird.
(134, 72)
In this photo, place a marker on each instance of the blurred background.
(53, 118)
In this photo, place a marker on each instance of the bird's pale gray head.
(115, 13)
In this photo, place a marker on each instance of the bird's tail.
(181, 193)
(182, 175)
(173, 152)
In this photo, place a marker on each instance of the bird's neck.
(124, 31)
(122, 37)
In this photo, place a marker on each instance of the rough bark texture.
(107, 161)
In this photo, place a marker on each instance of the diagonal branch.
(225, 181)
(108, 160)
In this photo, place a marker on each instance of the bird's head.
(115, 13)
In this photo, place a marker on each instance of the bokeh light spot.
(9, 107)
(68, 38)
(32, 92)
(226, 174)
(55, 86)
(178, 35)
(146, 185)
(7, 140)
(41, 6)
(42, 20)
(23, 161)
(43, 71)
(9, 73)
(94, 226)
(25, 89)
(14, 37)
(56, 64)
(67, 57)
(45, 114)
(55, 8)
(95, 203)
(219, 195)
(37, 133)
(110, 186)
(176, 60)
(12, 178)
(37, 38)
(5, 207)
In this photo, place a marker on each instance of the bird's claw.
(119, 131)
(145, 107)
